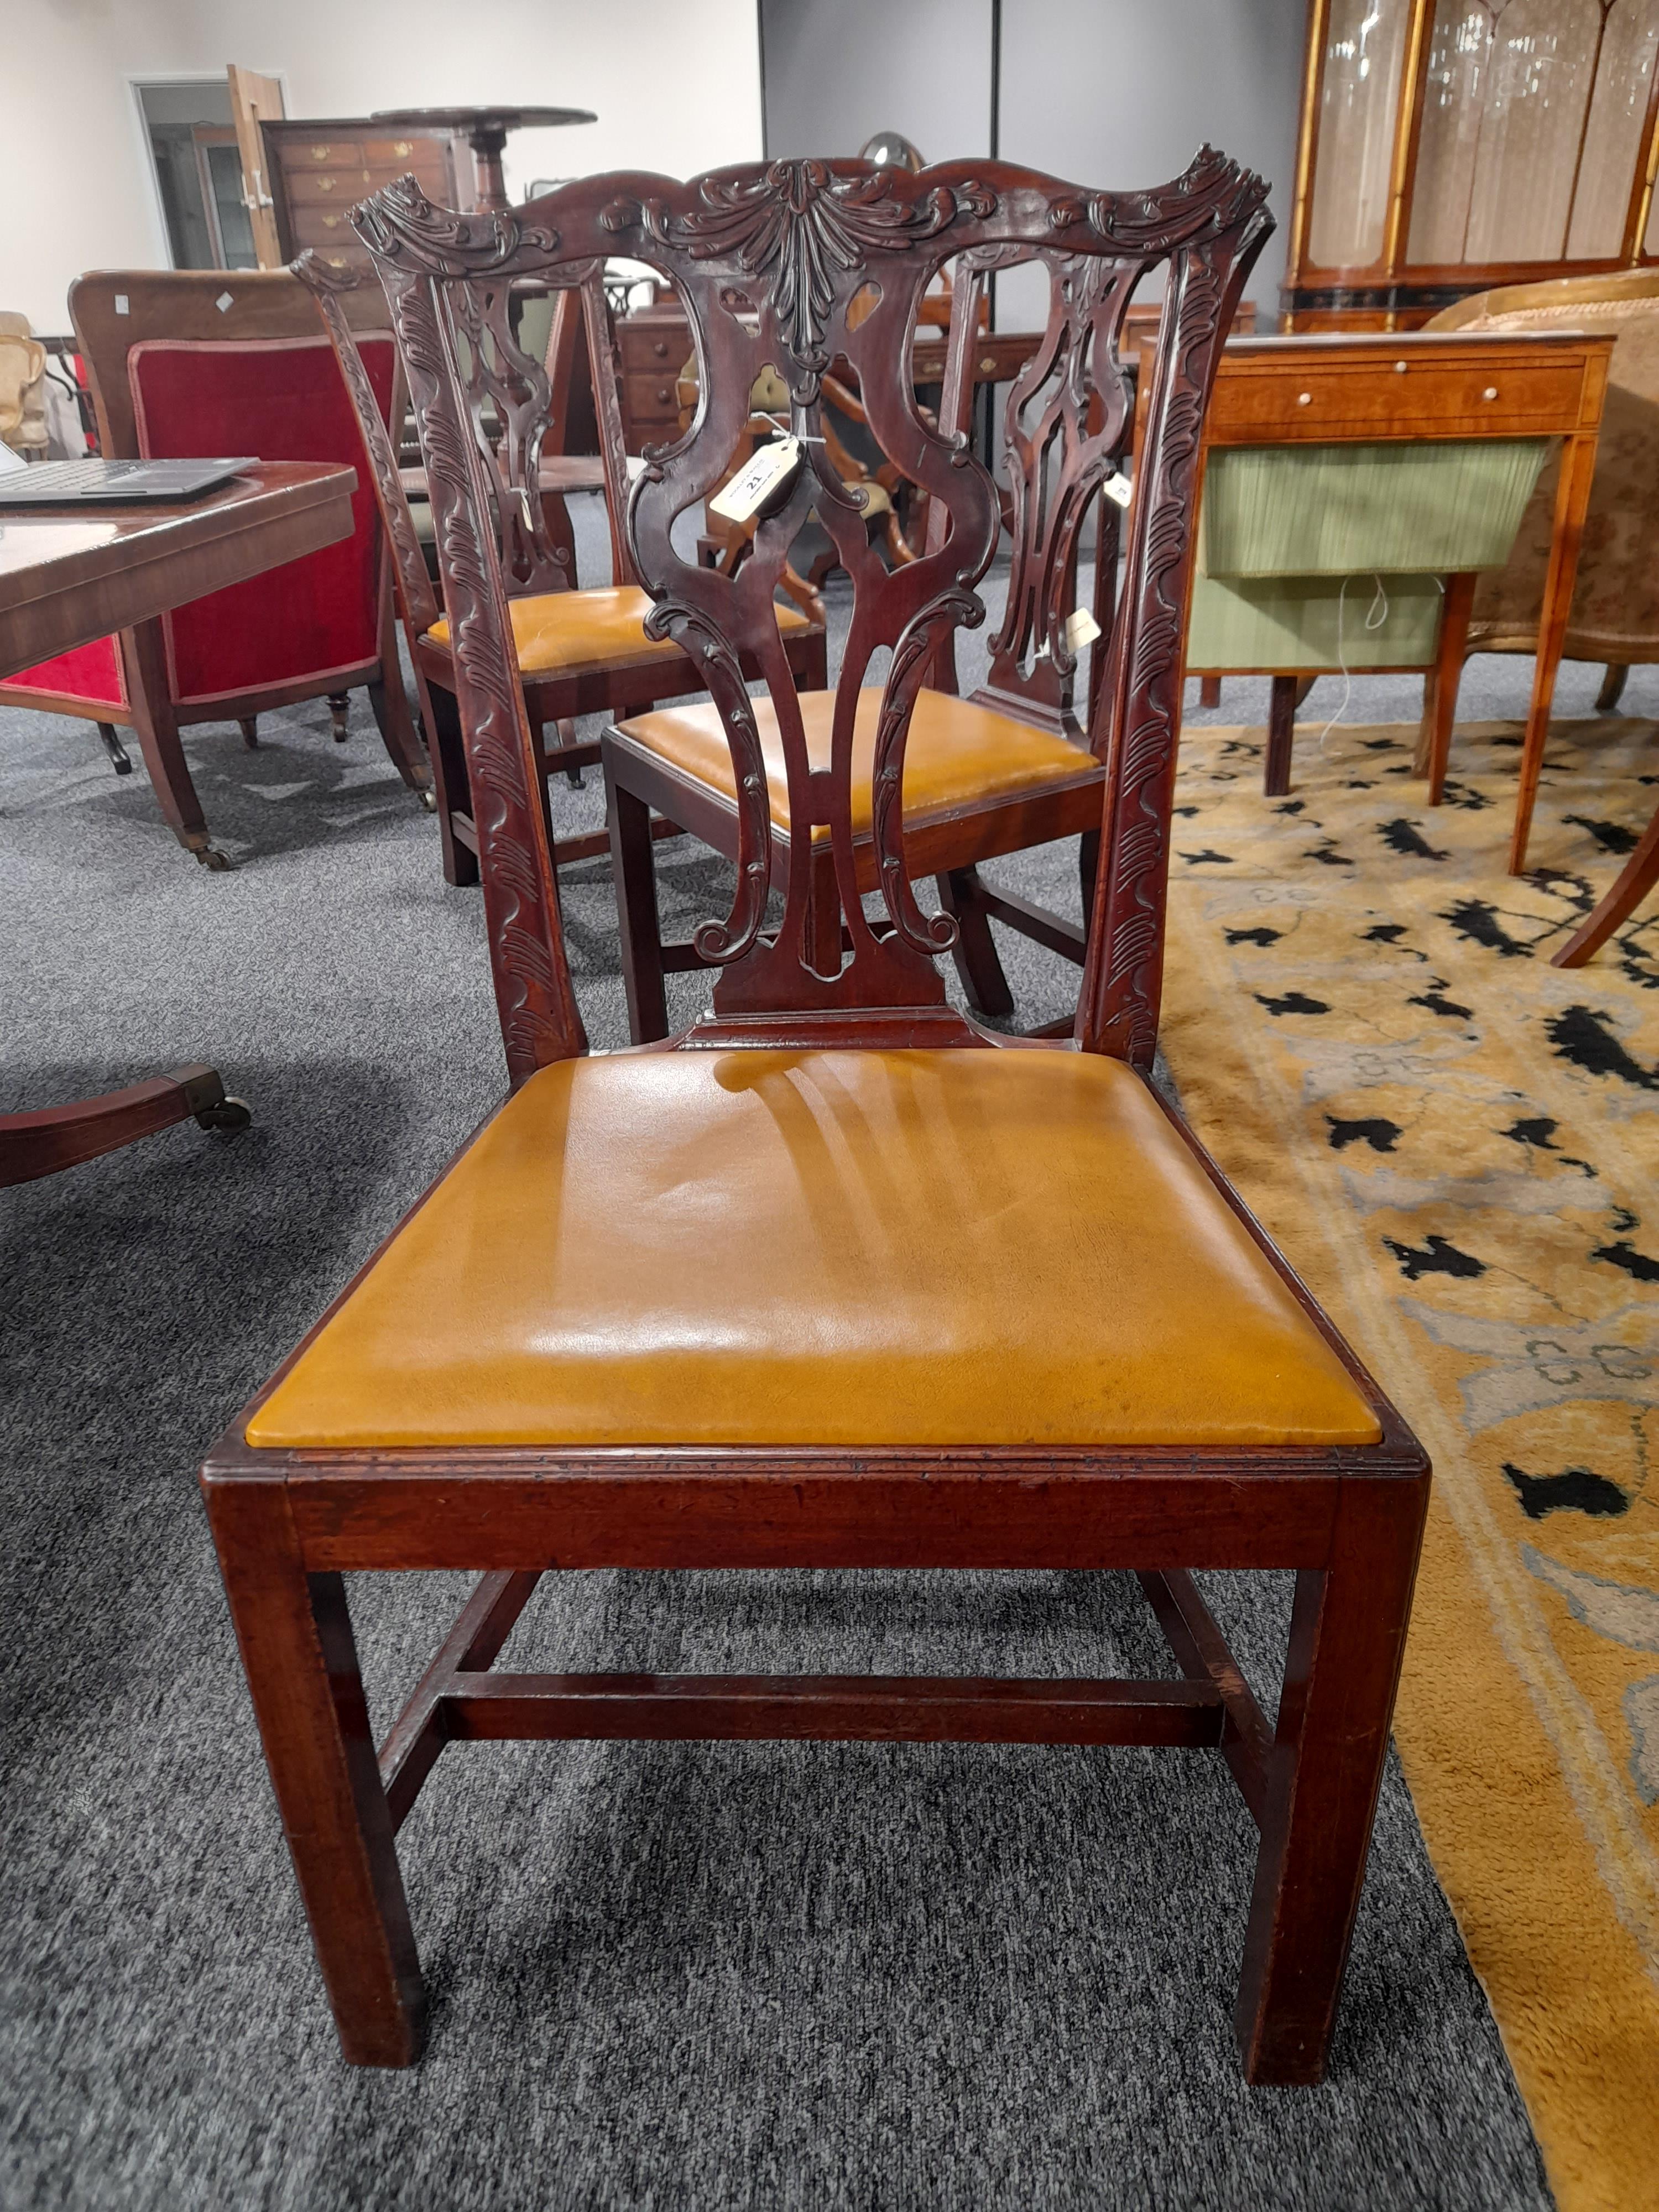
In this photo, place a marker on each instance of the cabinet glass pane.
(1614, 141)
(1532, 128)
(1358, 105)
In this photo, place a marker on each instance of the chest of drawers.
(319, 169)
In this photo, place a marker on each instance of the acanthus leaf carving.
(798, 228)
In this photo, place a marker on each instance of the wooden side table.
(1425, 386)
(70, 574)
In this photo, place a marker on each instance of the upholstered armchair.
(1615, 601)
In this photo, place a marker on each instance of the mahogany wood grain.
(55, 1137)
(70, 575)
(829, 1708)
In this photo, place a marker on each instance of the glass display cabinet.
(1450, 145)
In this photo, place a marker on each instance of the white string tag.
(1081, 629)
(1118, 489)
(757, 483)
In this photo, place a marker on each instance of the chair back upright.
(186, 363)
(518, 408)
(792, 264)
(1066, 421)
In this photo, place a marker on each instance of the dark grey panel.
(839, 70)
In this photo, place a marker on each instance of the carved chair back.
(1066, 420)
(511, 431)
(790, 265)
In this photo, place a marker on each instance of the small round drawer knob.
(987, 363)
(661, 349)
(664, 394)
(1491, 392)
(1399, 368)
(1304, 399)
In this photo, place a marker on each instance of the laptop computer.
(114, 483)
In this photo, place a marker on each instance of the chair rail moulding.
(1447, 146)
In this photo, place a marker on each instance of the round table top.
(482, 118)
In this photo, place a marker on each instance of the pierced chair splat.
(734, 1300)
(1009, 768)
(579, 652)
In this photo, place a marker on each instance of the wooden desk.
(1423, 386)
(68, 575)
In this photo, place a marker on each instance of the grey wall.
(1112, 92)
(1120, 93)
(836, 71)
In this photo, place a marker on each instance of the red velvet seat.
(177, 374)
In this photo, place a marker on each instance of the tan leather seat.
(835, 1248)
(956, 753)
(555, 632)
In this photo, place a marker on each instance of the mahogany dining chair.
(579, 652)
(836, 1279)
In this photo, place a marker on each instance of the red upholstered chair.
(838, 1279)
(193, 362)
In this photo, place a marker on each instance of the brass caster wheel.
(229, 1115)
(337, 704)
(429, 799)
(250, 730)
(211, 857)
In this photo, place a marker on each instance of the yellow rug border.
(1575, 2004)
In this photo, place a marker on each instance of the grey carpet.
(661, 1976)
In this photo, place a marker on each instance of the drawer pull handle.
(325, 184)
(320, 153)
(1304, 399)
(987, 363)
(1491, 392)
(661, 349)
(401, 146)
(1399, 368)
(331, 221)
(664, 395)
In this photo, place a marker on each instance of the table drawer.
(649, 351)
(652, 399)
(342, 187)
(1429, 400)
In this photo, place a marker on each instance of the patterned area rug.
(1459, 1146)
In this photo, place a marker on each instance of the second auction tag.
(758, 482)
(1081, 629)
(1118, 489)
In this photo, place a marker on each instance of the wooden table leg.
(33, 1144)
(156, 728)
(1347, 1637)
(1572, 504)
(1636, 878)
(295, 1633)
(1440, 706)
(1281, 734)
(633, 867)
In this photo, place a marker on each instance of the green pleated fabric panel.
(1332, 510)
(1289, 623)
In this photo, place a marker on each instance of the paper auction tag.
(1118, 488)
(1081, 629)
(757, 483)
